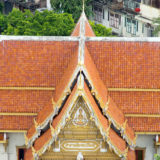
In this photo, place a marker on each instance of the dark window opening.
(139, 154)
(21, 152)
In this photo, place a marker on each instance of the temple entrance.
(79, 139)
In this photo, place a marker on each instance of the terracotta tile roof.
(130, 132)
(117, 141)
(76, 30)
(46, 111)
(23, 101)
(131, 155)
(88, 30)
(28, 154)
(94, 75)
(118, 116)
(59, 116)
(31, 131)
(15, 122)
(42, 140)
(66, 76)
(35, 63)
(142, 124)
(137, 102)
(127, 64)
(100, 116)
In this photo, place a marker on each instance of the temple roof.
(39, 76)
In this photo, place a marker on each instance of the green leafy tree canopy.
(46, 23)
(73, 7)
(157, 157)
(100, 30)
(157, 23)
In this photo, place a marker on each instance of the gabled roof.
(81, 79)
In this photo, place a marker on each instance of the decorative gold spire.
(83, 6)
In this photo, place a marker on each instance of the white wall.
(3, 154)
(15, 139)
(149, 11)
(147, 141)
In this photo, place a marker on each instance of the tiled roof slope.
(106, 102)
(23, 101)
(137, 102)
(127, 64)
(144, 124)
(34, 63)
(88, 30)
(16, 122)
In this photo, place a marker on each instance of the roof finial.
(83, 6)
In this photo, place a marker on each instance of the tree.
(73, 7)
(46, 23)
(157, 157)
(1, 7)
(100, 30)
(157, 23)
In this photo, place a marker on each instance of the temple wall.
(147, 142)
(15, 140)
(3, 154)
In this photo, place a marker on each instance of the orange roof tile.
(42, 140)
(127, 64)
(76, 30)
(131, 155)
(46, 111)
(58, 117)
(94, 75)
(35, 63)
(100, 116)
(118, 116)
(16, 122)
(23, 101)
(142, 124)
(31, 131)
(137, 102)
(88, 29)
(119, 142)
(28, 154)
(66, 77)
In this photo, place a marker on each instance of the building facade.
(127, 18)
(79, 97)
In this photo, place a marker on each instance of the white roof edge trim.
(39, 38)
(124, 39)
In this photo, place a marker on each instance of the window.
(98, 13)
(114, 20)
(131, 26)
(20, 152)
(140, 154)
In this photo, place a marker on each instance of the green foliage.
(100, 30)
(157, 157)
(1, 7)
(45, 23)
(157, 23)
(73, 7)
